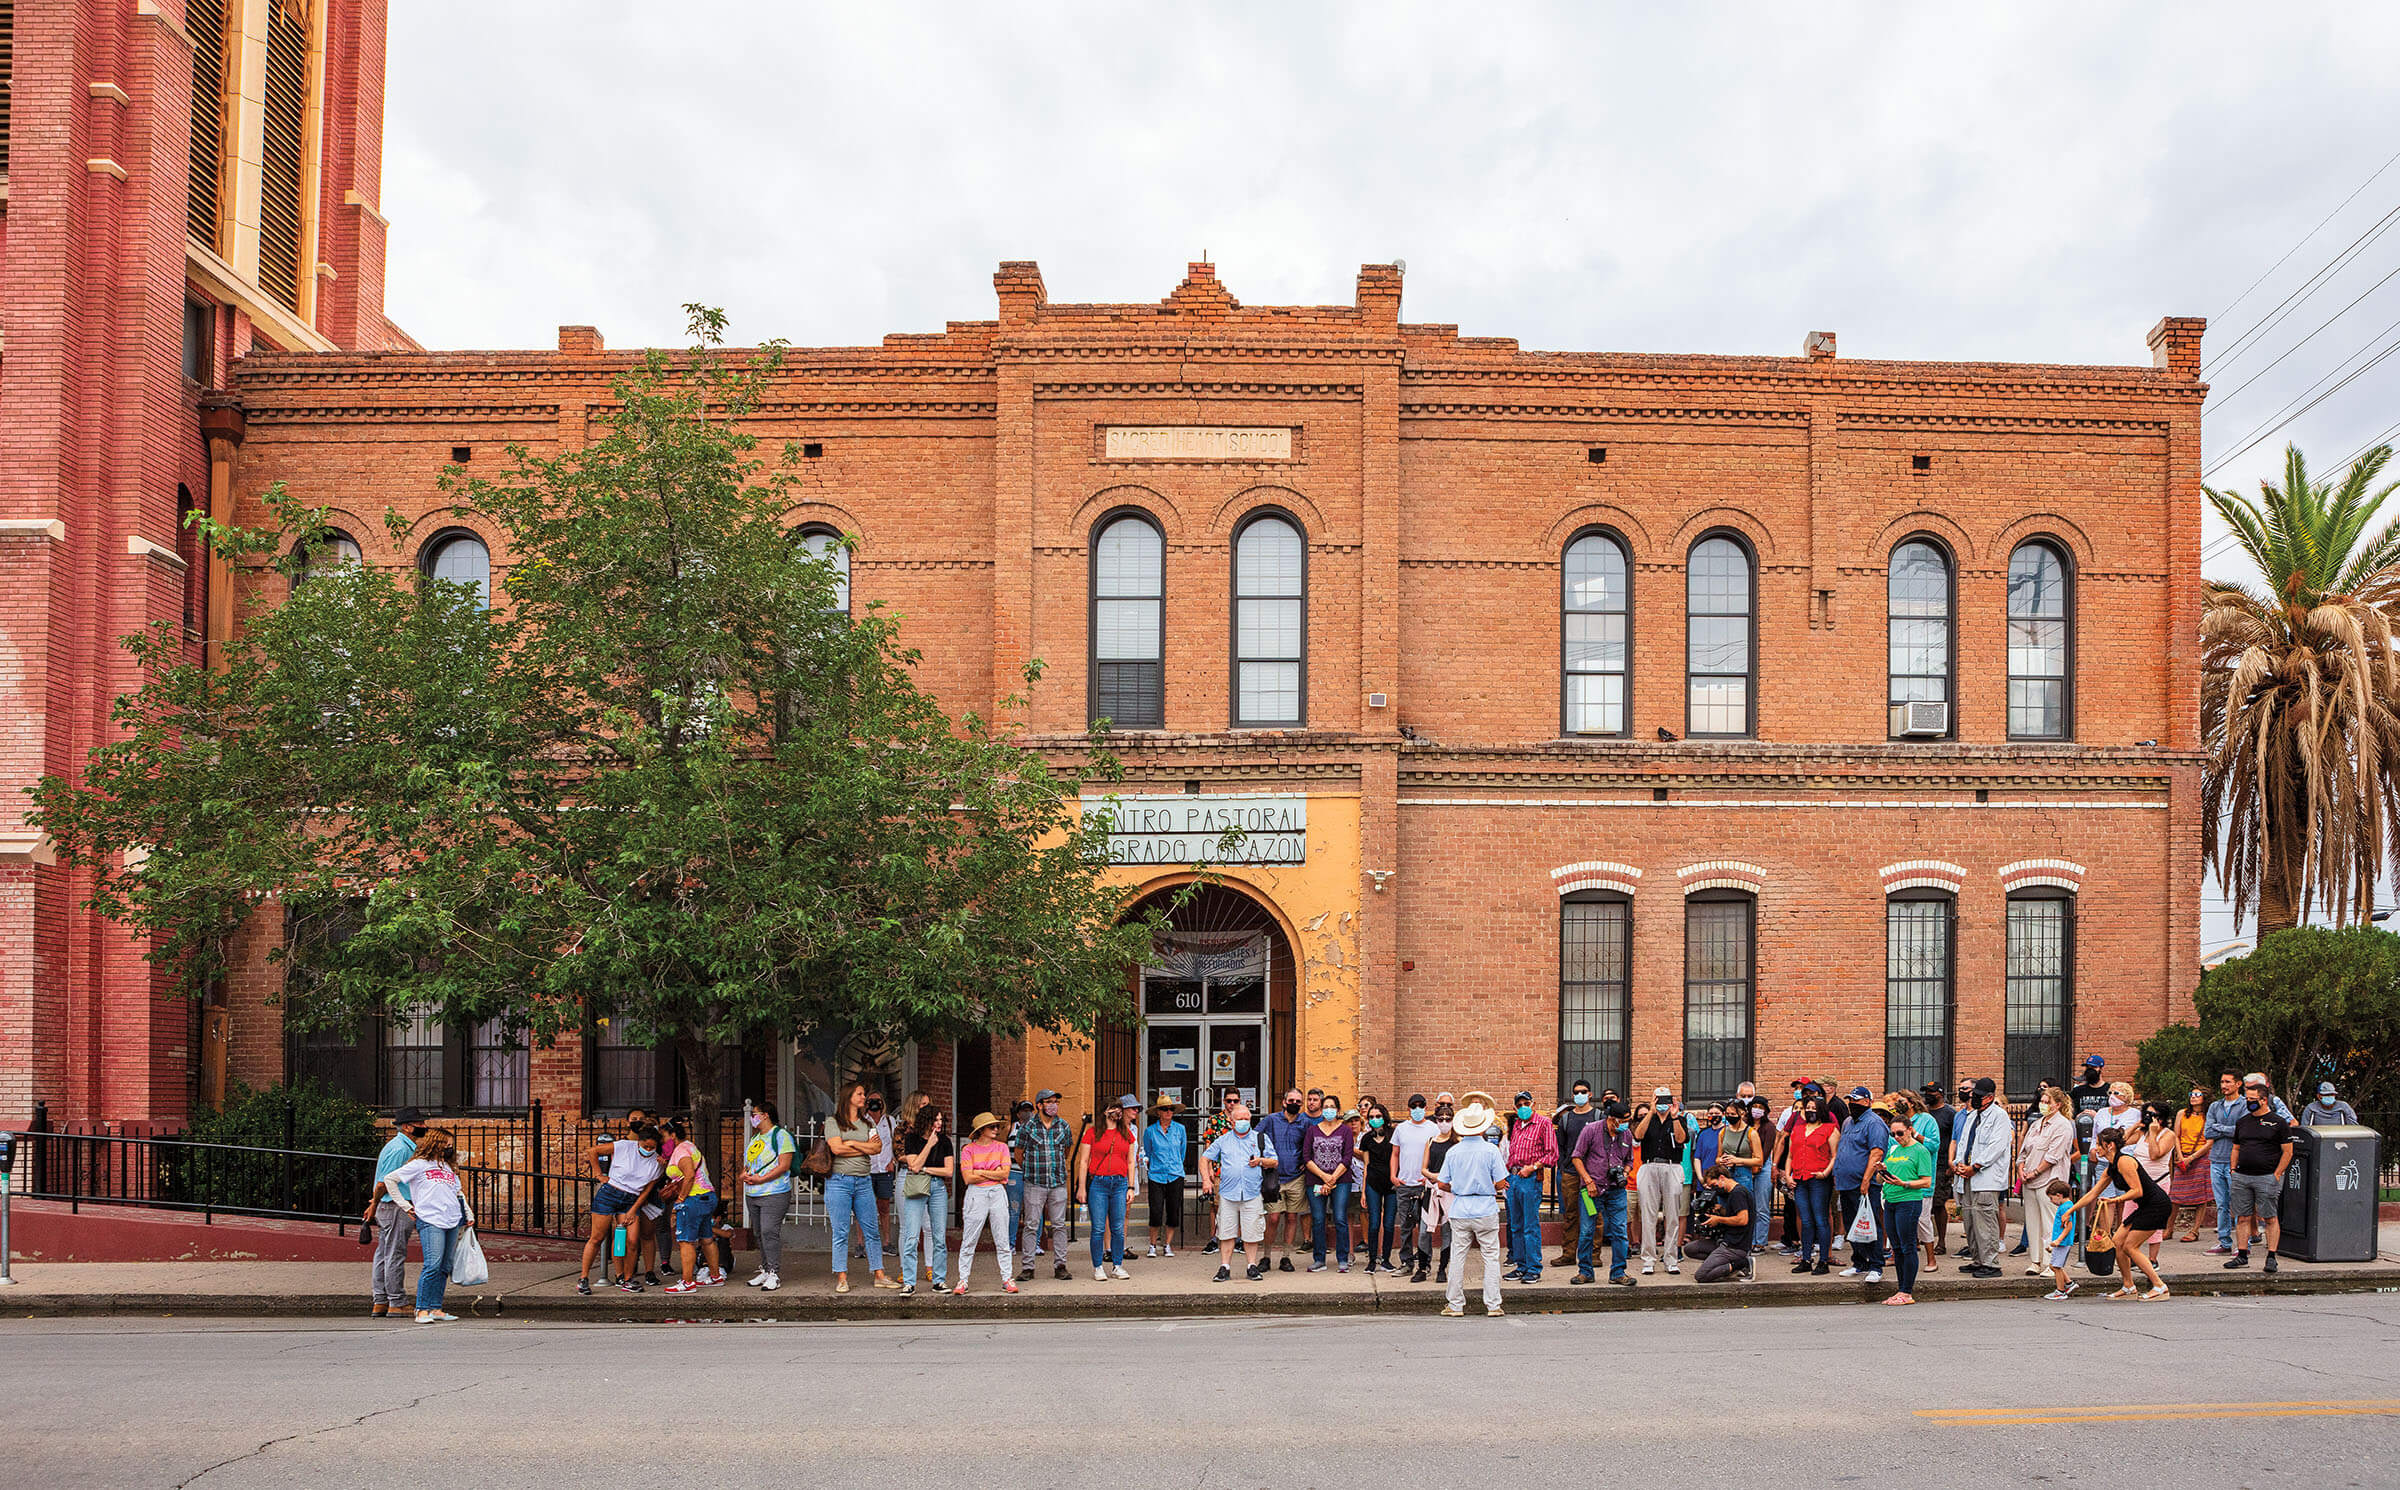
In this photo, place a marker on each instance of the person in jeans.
(1808, 1162)
(1908, 1167)
(1865, 1137)
(1981, 1140)
(879, 1164)
(1720, 1226)
(1326, 1148)
(1019, 1114)
(926, 1164)
(1163, 1146)
(1568, 1121)
(1532, 1154)
(1604, 1153)
(2262, 1151)
(387, 1275)
(850, 1190)
(1382, 1196)
(1470, 1178)
(1410, 1140)
(1233, 1169)
(1103, 1168)
(436, 1201)
(1658, 1128)
(692, 1208)
(767, 1189)
(1283, 1129)
(1042, 1143)
(628, 1171)
(983, 1164)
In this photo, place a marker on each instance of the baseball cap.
(1524, 1096)
(1664, 1091)
(2094, 1063)
(1045, 1095)
(2324, 1088)
(1416, 1099)
(1984, 1086)
(1130, 1100)
(1931, 1089)
(1861, 1094)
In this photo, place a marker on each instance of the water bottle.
(620, 1239)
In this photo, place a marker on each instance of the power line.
(2235, 391)
(2235, 454)
(2311, 233)
(2302, 294)
(2288, 413)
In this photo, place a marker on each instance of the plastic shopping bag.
(467, 1267)
(1863, 1229)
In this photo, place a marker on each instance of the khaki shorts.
(1292, 1202)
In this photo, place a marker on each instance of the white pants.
(1660, 1194)
(986, 1205)
(1483, 1232)
(2040, 1211)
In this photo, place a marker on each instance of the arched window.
(1595, 998)
(1918, 999)
(460, 557)
(2041, 658)
(1270, 622)
(1128, 590)
(1720, 611)
(336, 547)
(2040, 966)
(1595, 615)
(1719, 992)
(1918, 609)
(826, 544)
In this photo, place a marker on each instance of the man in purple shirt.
(1603, 1153)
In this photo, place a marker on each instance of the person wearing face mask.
(1810, 1162)
(767, 1161)
(387, 1277)
(628, 1171)
(1437, 1203)
(2189, 1189)
(1043, 1141)
(1232, 1169)
(1660, 1131)
(1604, 1154)
(2328, 1110)
(1857, 1158)
(1409, 1143)
(1285, 1130)
(1762, 1194)
(1325, 1151)
(1738, 1145)
(1163, 1147)
(1471, 1176)
(1103, 1166)
(2262, 1151)
(1532, 1153)
(1936, 1104)
(1375, 1148)
(1983, 1138)
(2091, 1099)
(1569, 1120)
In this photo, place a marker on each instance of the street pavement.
(2190, 1391)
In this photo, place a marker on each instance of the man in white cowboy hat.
(1471, 1177)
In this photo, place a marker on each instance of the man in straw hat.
(983, 1167)
(1471, 1177)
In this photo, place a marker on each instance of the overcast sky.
(2034, 183)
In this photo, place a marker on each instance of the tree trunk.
(704, 1063)
(2277, 910)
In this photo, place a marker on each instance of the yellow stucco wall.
(1318, 903)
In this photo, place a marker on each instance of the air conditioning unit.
(1921, 720)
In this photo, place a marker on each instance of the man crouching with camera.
(1720, 1227)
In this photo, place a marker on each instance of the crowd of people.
(2105, 1179)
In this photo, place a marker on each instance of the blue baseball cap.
(2093, 1063)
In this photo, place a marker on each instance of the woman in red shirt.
(1811, 1171)
(1102, 1168)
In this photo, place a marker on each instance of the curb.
(652, 1308)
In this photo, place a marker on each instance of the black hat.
(1416, 1099)
(408, 1117)
(1617, 1110)
(1984, 1086)
(1524, 1096)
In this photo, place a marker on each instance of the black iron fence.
(176, 1173)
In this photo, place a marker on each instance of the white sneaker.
(1648, 1267)
(1849, 1272)
(1154, 1251)
(1120, 1275)
(1876, 1276)
(1674, 1267)
(1166, 1251)
(1099, 1275)
(774, 1281)
(761, 1276)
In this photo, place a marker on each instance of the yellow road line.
(2010, 1417)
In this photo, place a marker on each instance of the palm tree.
(2300, 697)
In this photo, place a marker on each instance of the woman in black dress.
(2146, 1209)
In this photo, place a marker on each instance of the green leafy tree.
(2300, 696)
(663, 779)
(2310, 1005)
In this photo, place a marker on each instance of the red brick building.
(1648, 718)
(182, 182)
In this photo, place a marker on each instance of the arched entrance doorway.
(1216, 1000)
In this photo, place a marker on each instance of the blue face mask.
(1416, 1114)
(1241, 1125)
(1374, 1122)
(1523, 1112)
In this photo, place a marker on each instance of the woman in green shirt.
(1907, 1181)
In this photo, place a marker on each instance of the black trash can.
(2328, 1204)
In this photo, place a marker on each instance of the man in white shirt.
(1409, 1142)
(879, 1166)
(1980, 1144)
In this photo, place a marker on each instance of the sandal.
(2122, 1293)
(2159, 1292)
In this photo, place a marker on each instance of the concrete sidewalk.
(1158, 1288)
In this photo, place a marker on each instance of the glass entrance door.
(1236, 1056)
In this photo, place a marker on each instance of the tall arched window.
(336, 547)
(459, 556)
(1918, 996)
(1918, 593)
(824, 543)
(2041, 610)
(1595, 606)
(1595, 990)
(1128, 591)
(1270, 622)
(1720, 611)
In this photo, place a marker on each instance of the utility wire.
(2305, 237)
(2275, 420)
(2235, 391)
(2301, 294)
(2219, 463)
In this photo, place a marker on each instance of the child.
(2062, 1238)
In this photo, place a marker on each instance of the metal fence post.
(541, 1183)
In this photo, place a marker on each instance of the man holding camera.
(1603, 1152)
(1658, 1127)
(1720, 1226)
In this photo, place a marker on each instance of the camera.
(1614, 1179)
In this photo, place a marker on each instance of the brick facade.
(1437, 480)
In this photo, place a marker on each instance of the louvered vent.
(279, 191)
(8, 33)
(205, 21)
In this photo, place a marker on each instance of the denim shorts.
(883, 1186)
(608, 1200)
(692, 1217)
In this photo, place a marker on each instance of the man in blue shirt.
(1283, 1130)
(387, 1274)
(1233, 1168)
(1471, 1176)
(1855, 1158)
